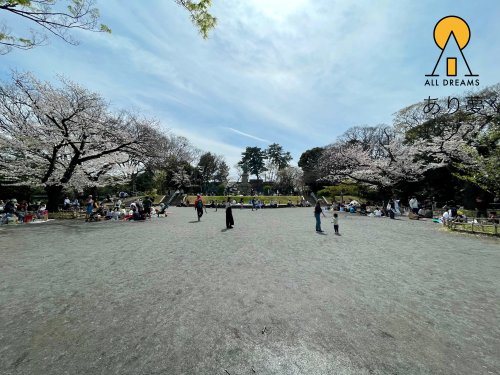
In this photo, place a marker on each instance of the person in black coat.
(229, 214)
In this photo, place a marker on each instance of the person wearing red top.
(198, 206)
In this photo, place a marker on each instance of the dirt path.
(174, 296)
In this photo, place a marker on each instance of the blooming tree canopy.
(381, 160)
(466, 137)
(66, 136)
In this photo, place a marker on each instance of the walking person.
(198, 206)
(317, 214)
(229, 214)
(336, 224)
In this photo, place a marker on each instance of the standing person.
(89, 207)
(148, 203)
(67, 203)
(413, 204)
(390, 209)
(229, 214)
(397, 210)
(336, 224)
(317, 214)
(198, 206)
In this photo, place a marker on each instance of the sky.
(294, 72)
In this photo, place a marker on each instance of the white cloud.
(278, 10)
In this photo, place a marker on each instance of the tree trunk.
(54, 196)
(95, 195)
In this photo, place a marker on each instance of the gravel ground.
(271, 296)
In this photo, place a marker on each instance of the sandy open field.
(271, 296)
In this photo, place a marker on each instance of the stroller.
(96, 215)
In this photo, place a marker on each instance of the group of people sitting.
(13, 212)
(304, 203)
(392, 209)
(71, 204)
(452, 213)
(351, 207)
(139, 210)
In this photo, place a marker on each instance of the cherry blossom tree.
(174, 164)
(66, 136)
(181, 177)
(462, 136)
(384, 161)
(465, 137)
